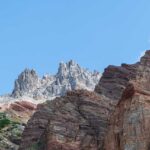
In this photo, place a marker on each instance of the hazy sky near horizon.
(39, 34)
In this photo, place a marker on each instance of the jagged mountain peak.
(27, 70)
(27, 82)
(70, 66)
(69, 63)
(70, 76)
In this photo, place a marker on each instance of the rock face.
(116, 116)
(26, 83)
(76, 121)
(13, 118)
(115, 79)
(70, 76)
(79, 120)
(129, 127)
(23, 110)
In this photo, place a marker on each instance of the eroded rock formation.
(70, 76)
(79, 120)
(13, 118)
(130, 124)
(116, 116)
(68, 123)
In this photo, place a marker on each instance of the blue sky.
(39, 34)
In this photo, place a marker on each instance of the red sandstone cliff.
(130, 124)
(114, 117)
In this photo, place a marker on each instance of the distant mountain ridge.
(70, 76)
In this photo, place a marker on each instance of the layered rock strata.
(13, 118)
(79, 120)
(129, 126)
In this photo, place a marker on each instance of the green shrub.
(4, 122)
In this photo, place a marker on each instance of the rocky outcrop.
(22, 110)
(13, 118)
(10, 132)
(79, 120)
(115, 79)
(19, 110)
(22, 106)
(26, 83)
(76, 121)
(114, 117)
(129, 126)
(70, 76)
(70, 122)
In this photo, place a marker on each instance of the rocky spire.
(27, 82)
